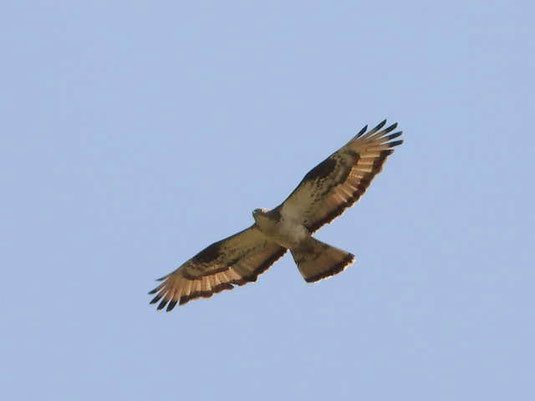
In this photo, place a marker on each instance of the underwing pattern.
(322, 195)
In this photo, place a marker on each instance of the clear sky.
(135, 133)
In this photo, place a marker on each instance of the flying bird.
(323, 194)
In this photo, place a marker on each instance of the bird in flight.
(323, 194)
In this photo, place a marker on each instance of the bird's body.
(284, 230)
(323, 194)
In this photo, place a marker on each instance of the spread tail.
(316, 260)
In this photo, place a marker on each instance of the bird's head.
(258, 212)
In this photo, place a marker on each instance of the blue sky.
(136, 133)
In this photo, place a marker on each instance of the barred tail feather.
(317, 260)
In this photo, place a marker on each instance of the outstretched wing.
(235, 260)
(340, 180)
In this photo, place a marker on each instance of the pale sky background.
(135, 133)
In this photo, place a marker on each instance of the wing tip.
(162, 304)
(362, 131)
(171, 305)
(184, 299)
(379, 126)
(390, 128)
(395, 143)
(392, 136)
(155, 299)
(374, 132)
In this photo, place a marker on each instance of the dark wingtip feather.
(362, 131)
(155, 299)
(162, 278)
(154, 291)
(171, 305)
(395, 143)
(379, 126)
(162, 304)
(391, 128)
(392, 136)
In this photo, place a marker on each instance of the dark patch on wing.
(322, 170)
(256, 266)
(244, 280)
(364, 183)
(208, 254)
(319, 181)
(211, 253)
(262, 268)
(353, 154)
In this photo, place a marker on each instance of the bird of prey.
(324, 193)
